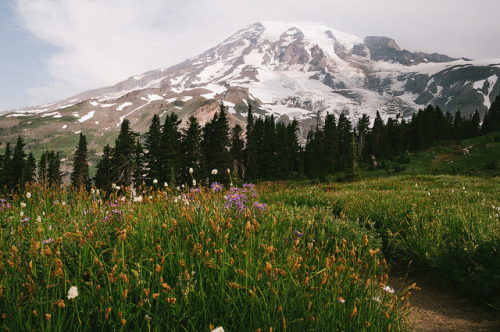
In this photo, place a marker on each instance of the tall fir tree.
(191, 147)
(352, 165)
(170, 150)
(30, 169)
(251, 147)
(54, 174)
(152, 157)
(42, 168)
(122, 157)
(17, 165)
(80, 176)
(104, 174)
(236, 150)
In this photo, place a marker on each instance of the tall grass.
(189, 261)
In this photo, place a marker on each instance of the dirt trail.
(438, 308)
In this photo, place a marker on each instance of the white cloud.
(101, 42)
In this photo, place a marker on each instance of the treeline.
(266, 150)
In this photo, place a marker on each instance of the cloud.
(100, 42)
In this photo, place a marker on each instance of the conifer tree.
(122, 157)
(5, 169)
(216, 143)
(80, 176)
(139, 175)
(152, 157)
(294, 153)
(42, 168)
(17, 165)
(104, 173)
(170, 147)
(352, 165)
(54, 175)
(30, 169)
(191, 146)
(236, 150)
(251, 147)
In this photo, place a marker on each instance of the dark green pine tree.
(251, 147)
(191, 147)
(294, 149)
(237, 151)
(5, 166)
(458, 126)
(104, 177)
(139, 176)
(363, 139)
(282, 152)
(344, 133)
(54, 175)
(216, 143)
(42, 168)
(80, 176)
(170, 147)
(123, 155)
(352, 164)
(17, 165)
(152, 157)
(30, 169)
(331, 143)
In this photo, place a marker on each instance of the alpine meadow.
(292, 178)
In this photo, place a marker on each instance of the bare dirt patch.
(439, 308)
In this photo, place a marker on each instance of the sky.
(53, 49)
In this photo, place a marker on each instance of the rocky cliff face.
(285, 70)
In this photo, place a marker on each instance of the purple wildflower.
(298, 234)
(216, 186)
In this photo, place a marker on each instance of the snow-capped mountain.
(288, 70)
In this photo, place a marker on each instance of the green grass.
(189, 260)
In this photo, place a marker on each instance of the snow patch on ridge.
(84, 118)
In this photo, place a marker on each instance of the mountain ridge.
(288, 70)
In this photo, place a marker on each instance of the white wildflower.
(38, 219)
(194, 183)
(416, 184)
(155, 181)
(113, 186)
(138, 199)
(63, 203)
(72, 293)
(23, 205)
(228, 171)
(28, 195)
(21, 214)
(165, 184)
(376, 298)
(190, 170)
(388, 289)
(340, 300)
(214, 171)
(218, 329)
(117, 187)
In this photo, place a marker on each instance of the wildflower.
(113, 186)
(38, 219)
(28, 195)
(216, 186)
(214, 171)
(416, 184)
(194, 183)
(259, 206)
(340, 299)
(138, 199)
(190, 170)
(218, 329)
(155, 181)
(228, 171)
(388, 289)
(72, 293)
(23, 205)
(297, 233)
(117, 187)
(376, 298)
(165, 184)
(48, 241)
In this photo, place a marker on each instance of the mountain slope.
(286, 70)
